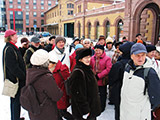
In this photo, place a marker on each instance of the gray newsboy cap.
(35, 40)
(138, 48)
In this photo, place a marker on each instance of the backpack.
(29, 100)
(67, 82)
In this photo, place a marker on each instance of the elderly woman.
(101, 65)
(87, 44)
(84, 90)
(45, 86)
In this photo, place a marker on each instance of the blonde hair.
(7, 39)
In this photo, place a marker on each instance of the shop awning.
(51, 24)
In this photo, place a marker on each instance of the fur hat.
(150, 48)
(83, 52)
(99, 47)
(109, 40)
(9, 32)
(39, 57)
(60, 39)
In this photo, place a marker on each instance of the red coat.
(72, 61)
(63, 103)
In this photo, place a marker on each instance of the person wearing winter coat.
(73, 57)
(25, 45)
(73, 45)
(85, 101)
(101, 65)
(138, 97)
(35, 45)
(60, 51)
(51, 44)
(109, 48)
(151, 53)
(60, 73)
(116, 77)
(47, 91)
(14, 68)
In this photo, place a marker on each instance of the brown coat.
(45, 83)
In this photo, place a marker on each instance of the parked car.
(46, 34)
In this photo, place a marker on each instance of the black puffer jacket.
(14, 64)
(84, 92)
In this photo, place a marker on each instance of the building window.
(27, 7)
(49, 3)
(10, 1)
(79, 30)
(10, 6)
(60, 13)
(119, 29)
(27, 15)
(19, 7)
(34, 14)
(34, 2)
(42, 14)
(34, 22)
(107, 29)
(11, 14)
(42, 2)
(97, 30)
(60, 6)
(89, 30)
(27, 1)
(34, 7)
(70, 12)
(42, 22)
(42, 7)
(70, 5)
(19, 1)
(79, 8)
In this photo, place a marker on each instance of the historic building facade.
(91, 18)
(27, 15)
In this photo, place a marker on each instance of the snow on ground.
(108, 114)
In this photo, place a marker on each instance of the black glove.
(97, 77)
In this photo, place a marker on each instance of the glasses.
(86, 43)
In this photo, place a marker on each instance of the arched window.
(107, 29)
(79, 30)
(119, 29)
(89, 30)
(97, 30)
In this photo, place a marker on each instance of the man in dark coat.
(35, 45)
(85, 101)
(116, 76)
(14, 69)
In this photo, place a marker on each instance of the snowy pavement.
(108, 114)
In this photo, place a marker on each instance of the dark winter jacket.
(45, 87)
(22, 50)
(63, 103)
(14, 64)
(84, 92)
(48, 47)
(28, 55)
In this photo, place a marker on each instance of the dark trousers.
(65, 114)
(117, 112)
(103, 96)
(15, 107)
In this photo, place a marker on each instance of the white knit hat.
(86, 40)
(52, 57)
(39, 57)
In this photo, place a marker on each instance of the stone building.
(91, 18)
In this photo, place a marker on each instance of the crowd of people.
(108, 68)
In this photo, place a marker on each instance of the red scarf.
(13, 44)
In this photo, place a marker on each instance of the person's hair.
(7, 39)
(124, 37)
(24, 39)
(45, 65)
(138, 35)
(52, 37)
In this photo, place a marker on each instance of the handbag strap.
(61, 75)
(63, 57)
(4, 67)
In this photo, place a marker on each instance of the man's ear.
(132, 56)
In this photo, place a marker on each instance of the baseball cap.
(138, 48)
(35, 40)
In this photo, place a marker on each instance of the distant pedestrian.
(47, 91)
(109, 48)
(15, 71)
(138, 97)
(84, 90)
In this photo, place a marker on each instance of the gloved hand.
(97, 77)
